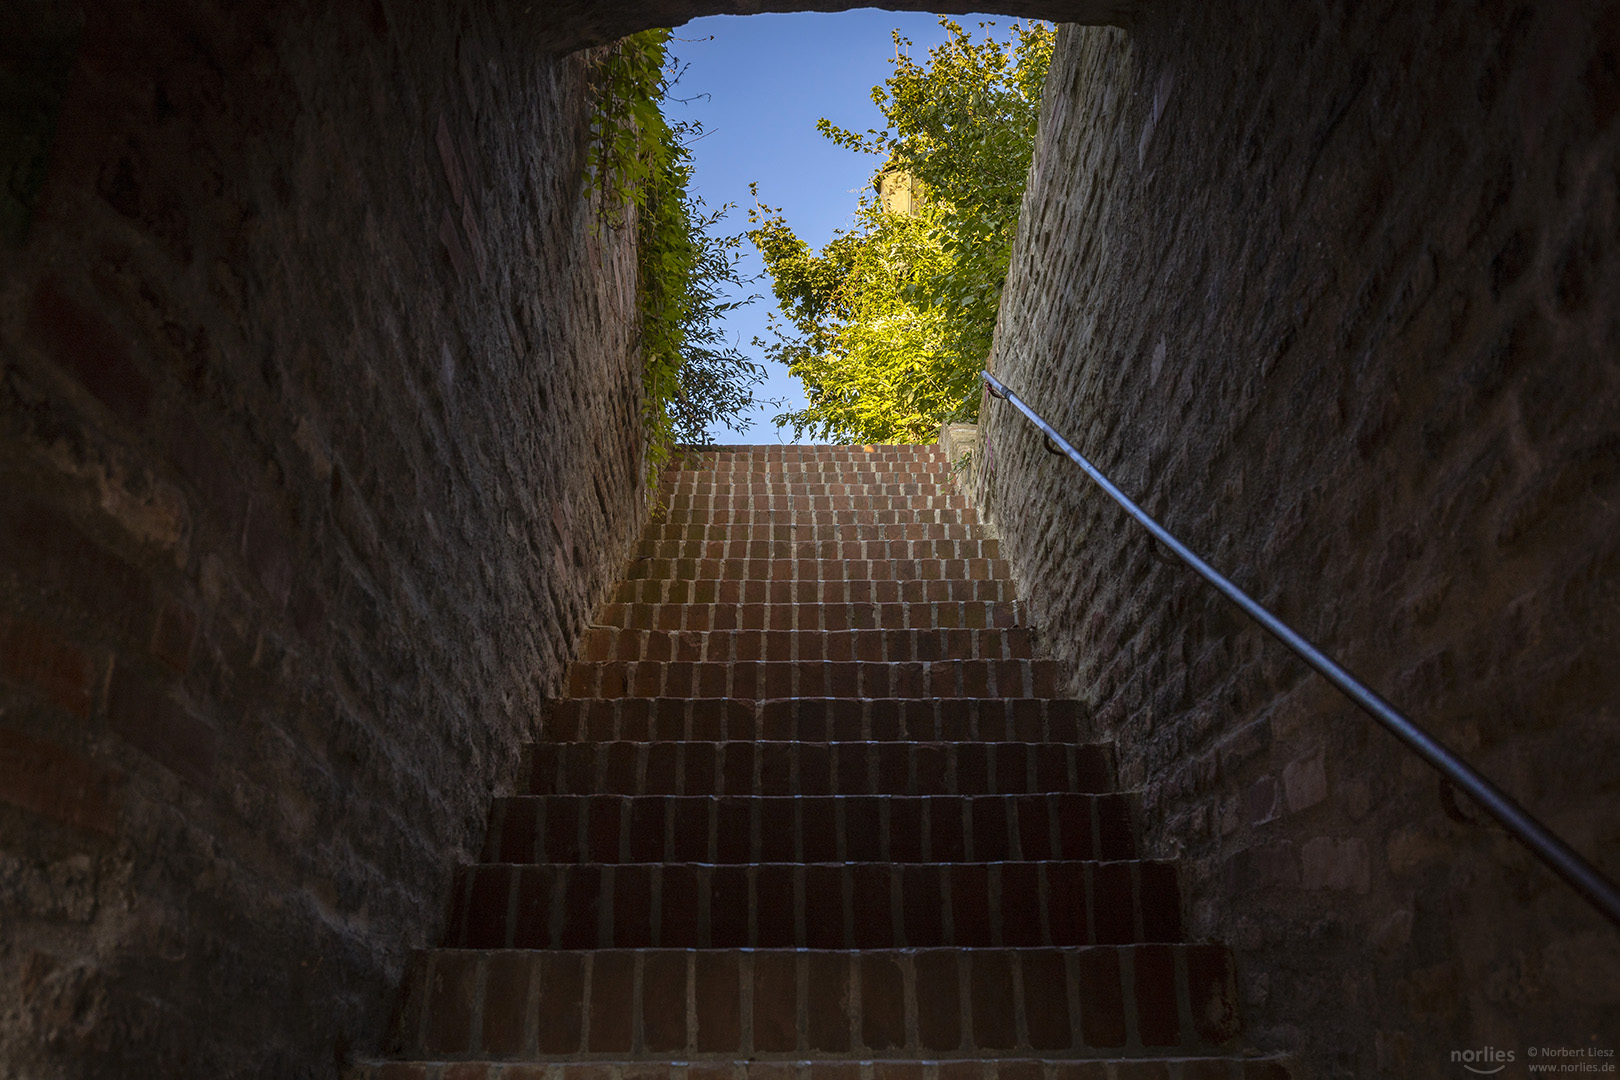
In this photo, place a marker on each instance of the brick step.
(988, 1068)
(848, 550)
(868, 591)
(691, 1005)
(813, 719)
(897, 615)
(833, 569)
(813, 503)
(807, 828)
(844, 472)
(751, 459)
(788, 530)
(679, 483)
(789, 456)
(905, 514)
(625, 643)
(809, 678)
(796, 451)
(815, 906)
(782, 767)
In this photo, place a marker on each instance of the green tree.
(888, 325)
(640, 162)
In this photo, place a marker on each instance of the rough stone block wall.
(1331, 287)
(319, 439)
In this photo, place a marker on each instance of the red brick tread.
(808, 828)
(793, 767)
(1159, 1068)
(776, 453)
(814, 719)
(810, 809)
(817, 568)
(844, 470)
(733, 486)
(634, 643)
(784, 1004)
(823, 517)
(935, 474)
(744, 458)
(788, 530)
(814, 905)
(864, 591)
(752, 679)
(720, 507)
(820, 617)
(743, 547)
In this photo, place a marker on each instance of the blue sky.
(758, 84)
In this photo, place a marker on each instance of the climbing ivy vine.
(639, 165)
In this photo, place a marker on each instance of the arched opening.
(317, 461)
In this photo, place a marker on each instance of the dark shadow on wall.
(1328, 288)
(575, 24)
(319, 440)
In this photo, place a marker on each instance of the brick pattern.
(682, 1003)
(751, 545)
(869, 615)
(906, 643)
(753, 679)
(817, 840)
(301, 514)
(707, 828)
(1002, 1068)
(1321, 288)
(800, 529)
(862, 590)
(824, 520)
(840, 565)
(814, 719)
(808, 904)
(777, 767)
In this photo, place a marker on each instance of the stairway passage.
(811, 810)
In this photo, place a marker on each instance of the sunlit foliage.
(888, 325)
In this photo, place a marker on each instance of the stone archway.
(577, 24)
(315, 456)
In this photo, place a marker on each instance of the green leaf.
(888, 325)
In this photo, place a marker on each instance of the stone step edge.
(1021, 719)
(1090, 1001)
(815, 617)
(849, 571)
(1050, 903)
(1227, 1067)
(739, 591)
(653, 532)
(856, 679)
(860, 481)
(767, 767)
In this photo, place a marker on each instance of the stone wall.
(318, 442)
(1331, 287)
(574, 24)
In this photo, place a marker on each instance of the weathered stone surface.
(1331, 290)
(573, 24)
(319, 440)
(318, 443)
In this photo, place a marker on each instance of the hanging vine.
(639, 164)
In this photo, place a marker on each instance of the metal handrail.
(1564, 861)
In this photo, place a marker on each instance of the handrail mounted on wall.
(1586, 879)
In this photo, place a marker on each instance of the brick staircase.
(811, 804)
